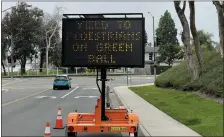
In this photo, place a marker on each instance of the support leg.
(103, 78)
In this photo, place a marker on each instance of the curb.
(121, 101)
(119, 98)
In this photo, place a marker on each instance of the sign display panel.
(103, 42)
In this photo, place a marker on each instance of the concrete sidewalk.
(154, 121)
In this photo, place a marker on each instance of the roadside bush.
(211, 81)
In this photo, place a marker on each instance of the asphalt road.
(27, 104)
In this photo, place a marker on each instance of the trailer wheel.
(71, 134)
(136, 133)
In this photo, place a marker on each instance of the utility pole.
(127, 75)
(154, 45)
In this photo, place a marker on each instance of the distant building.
(149, 54)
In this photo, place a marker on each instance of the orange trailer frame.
(103, 120)
(119, 121)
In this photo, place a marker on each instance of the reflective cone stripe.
(59, 111)
(59, 117)
(47, 132)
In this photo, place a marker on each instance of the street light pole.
(154, 45)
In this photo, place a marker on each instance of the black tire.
(70, 86)
(54, 87)
(136, 133)
(67, 87)
(71, 134)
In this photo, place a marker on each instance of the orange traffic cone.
(59, 121)
(47, 132)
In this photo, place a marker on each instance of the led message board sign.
(103, 42)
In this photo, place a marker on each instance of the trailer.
(101, 43)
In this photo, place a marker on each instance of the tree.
(195, 36)
(21, 26)
(220, 11)
(205, 39)
(41, 45)
(56, 55)
(50, 31)
(185, 37)
(4, 47)
(167, 34)
(181, 54)
(146, 39)
(55, 50)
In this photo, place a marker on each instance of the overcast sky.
(206, 16)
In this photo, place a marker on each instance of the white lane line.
(12, 82)
(93, 96)
(90, 88)
(45, 97)
(5, 90)
(70, 92)
(86, 97)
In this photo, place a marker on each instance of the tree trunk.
(195, 37)
(3, 66)
(47, 59)
(23, 65)
(186, 39)
(41, 60)
(220, 12)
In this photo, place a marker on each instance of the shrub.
(210, 82)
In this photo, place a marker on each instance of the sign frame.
(141, 64)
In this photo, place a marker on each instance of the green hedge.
(211, 81)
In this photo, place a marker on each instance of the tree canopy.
(24, 31)
(21, 26)
(205, 39)
(167, 34)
